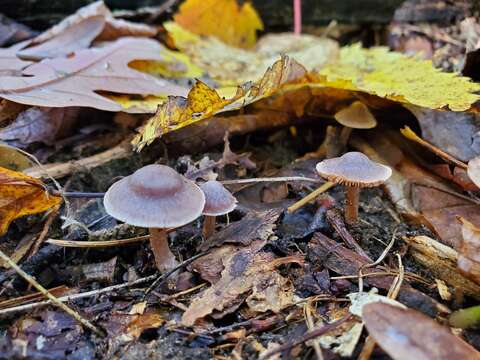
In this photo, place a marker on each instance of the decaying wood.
(441, 260)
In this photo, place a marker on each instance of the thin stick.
(410, 134)
(77, 194)
(378, 261)
(310, 196)
(268, 179)
(96, 244)
(166, 275)
(309, 335)
(52, 298)
(307, 309)
(78, 296)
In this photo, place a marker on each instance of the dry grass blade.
(96, 244)
(328, 185)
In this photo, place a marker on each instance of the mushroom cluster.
(354, 170)
(158, 198)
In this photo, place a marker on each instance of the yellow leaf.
(398, 77)
(228, 21)
(22, 195)
(232, 66)
(203, 102)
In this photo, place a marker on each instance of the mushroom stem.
(164, 259)
(351, 206)
(345, 136)
(209, 226)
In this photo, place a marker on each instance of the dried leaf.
(10, 64)
(394, 76)
(38, 124)
(230, 22)
(359, 300)
(271, 292)
(74, 81)
(22, 195)
(13, 159)
(203, 102)
(76, 37)
(233, 66)
(112, 30)
(469, 252)
(408, 334)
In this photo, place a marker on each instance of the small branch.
(268, 179)
(310, 196)
(309, 335)
(52, 298)
(96, 244)
(77, 194)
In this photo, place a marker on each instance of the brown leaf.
(469, 252)
(75, 81)
(38, 124)
(76, 37)
(10, 64)
(271, 292)
(22, 195)
(407, 334)
(113, 28)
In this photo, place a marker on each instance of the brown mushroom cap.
(356, 116)
(155, 196)
(354, 169)
(473, 170)
(218, 200)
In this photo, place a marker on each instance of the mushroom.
(218, 201)
(473, 170)
(158, 198)
(355, 116)
(354, 170)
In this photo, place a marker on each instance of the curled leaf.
(22, 195)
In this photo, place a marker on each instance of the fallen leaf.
(394, 76)
(12, 159)
(75, 81)
(242, 270)
(271, 292)
(113, 29)
(360, 300)
(38, 124)
(10, 63)
(203, 102)
(76, 37)
(230, 22)
(408, 334)
(22, 195)
(233, 66)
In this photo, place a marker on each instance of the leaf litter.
(268, 280)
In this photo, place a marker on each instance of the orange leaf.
(22, 195)
(225, 19)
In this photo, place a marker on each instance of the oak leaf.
(75, 81)
(22, 195)
(228, 21)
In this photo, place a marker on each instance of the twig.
(309, 335)
(378, 261)
(336, 220)
(307, 309)
(77, 194)
(410, 134)
(79, 296)
(268, 179)
(52, 298)
(46, 227)
(96, 244)
(165, 276)
(310, 196)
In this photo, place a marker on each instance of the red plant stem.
(297, 17)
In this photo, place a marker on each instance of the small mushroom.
(355, 116)
(218, 201)
(354, 170)
(473, 170)
(158, 198)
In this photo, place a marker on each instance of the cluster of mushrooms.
(158, 198)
